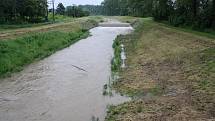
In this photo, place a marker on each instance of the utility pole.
(53, 9)
(47, 11)
(14, 10)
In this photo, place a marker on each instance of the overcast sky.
(78, 2)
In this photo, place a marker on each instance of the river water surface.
(66, 86)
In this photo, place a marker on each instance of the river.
(66, 86)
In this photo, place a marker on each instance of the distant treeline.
(93, 9)
(73, 11)
(198, 14)
(19, 11)
(22, 10)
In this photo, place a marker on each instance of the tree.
(76, 11)
(162, 9)
(22, 10)
(60, 9)
(198, 14)
(92, 9)
(213, 15)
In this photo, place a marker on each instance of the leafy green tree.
(162, 9)
(76, 11)
(22, 10)
(213, 14)
(198, 14)
(92, 9)
(60, 9)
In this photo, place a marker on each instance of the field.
(170, 74)
(22, 46)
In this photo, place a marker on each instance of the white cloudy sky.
(78, 2)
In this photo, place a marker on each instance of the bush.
(176, 21)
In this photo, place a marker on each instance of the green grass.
(14, 54)
(23, 50)
(137, 24)
(116, 61)
(4, 27)
(58, 18)
(205, 66)
(209, 33)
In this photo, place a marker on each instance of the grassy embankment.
(58, 18)
(30, 44)
(170, 75)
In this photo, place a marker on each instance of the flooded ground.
(66, 86)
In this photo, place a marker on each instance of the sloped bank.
(16, 53)
(170, 75)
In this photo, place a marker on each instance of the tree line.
(93, 9)
(198, 14)
(22, 10)
(73, 11)
(19, 11)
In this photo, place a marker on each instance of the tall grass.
(116, 61)
(16, 53)
(137, 25)
(23, 50)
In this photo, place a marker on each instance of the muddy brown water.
(66, 86)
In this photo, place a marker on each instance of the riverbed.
(66, 86)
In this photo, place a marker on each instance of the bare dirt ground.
(170, 75)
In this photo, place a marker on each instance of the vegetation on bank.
(58, 19)
(34, 11)
(73, 24)
(195, 14)
(4, 27)
(170, 75)
(18, 11)
(20, 51)
(116, 61)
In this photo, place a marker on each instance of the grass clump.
(116, 61)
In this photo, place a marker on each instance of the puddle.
(66, 86)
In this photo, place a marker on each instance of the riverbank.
(21, 47)
(70, 80)
(170, 74)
